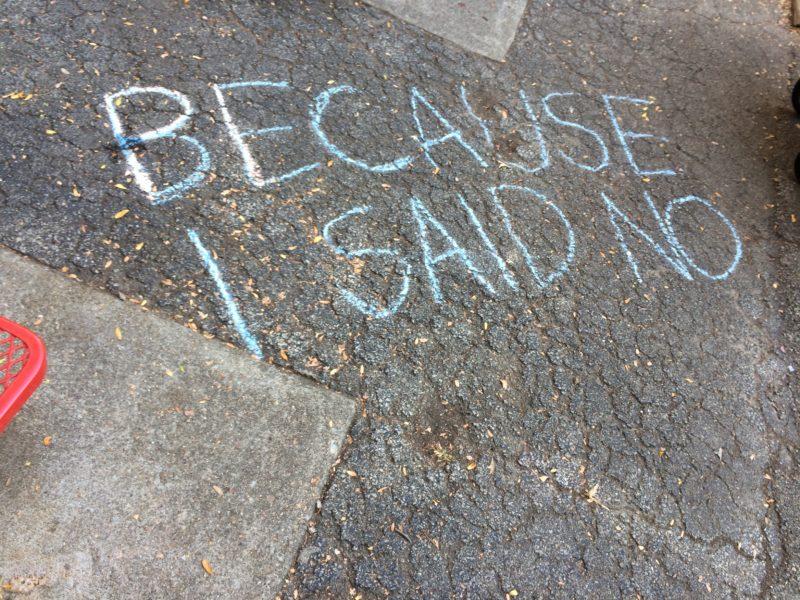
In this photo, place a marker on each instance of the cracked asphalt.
(594, 436)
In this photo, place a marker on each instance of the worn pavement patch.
(149, 450)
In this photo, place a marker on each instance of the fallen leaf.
(121, 213)
(206, 566)
(118, 333)
(592, 496)
(47, 441)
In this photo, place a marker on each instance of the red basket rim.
(29, 378)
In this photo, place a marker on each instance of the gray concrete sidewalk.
(149, 450)
(487, 27)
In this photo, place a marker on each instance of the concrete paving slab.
(487, 27)
(141, 457)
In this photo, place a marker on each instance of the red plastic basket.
(22, 366)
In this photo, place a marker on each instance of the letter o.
(680, 248)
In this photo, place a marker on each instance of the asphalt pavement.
(561, 287)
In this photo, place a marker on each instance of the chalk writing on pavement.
(430, 126)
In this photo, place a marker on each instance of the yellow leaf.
(50, 132)
(206, 566)
(140, 245)
(118, 333)
(121, 213)
(591, 496)
(119, 186)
